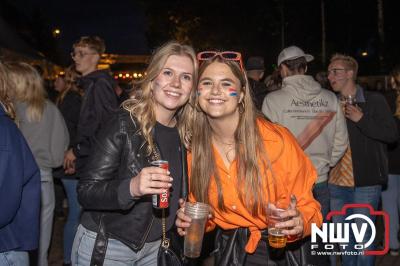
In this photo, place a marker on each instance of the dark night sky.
(119, 22)
(351, 25)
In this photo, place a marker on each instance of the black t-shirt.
(168, 141)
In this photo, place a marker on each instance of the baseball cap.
(255, 63)
(293, 52)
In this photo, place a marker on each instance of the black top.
(70, 108)
(393, 148)
(168, 141)
(98, 105)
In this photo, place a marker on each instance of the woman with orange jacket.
(239, 163)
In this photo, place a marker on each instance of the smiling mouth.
(216, 101)
(173, 94)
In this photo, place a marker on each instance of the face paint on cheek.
(232, 92)
(199, 89)
(156, 85)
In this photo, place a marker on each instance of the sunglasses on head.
(226, 55)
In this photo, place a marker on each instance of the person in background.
(19, 186)
(99, 99)
(273, 81)
(322, 78)
(255, 71)
(391, 195)
(312, 114)
(69, 102)
(239, 162)
(358, 177)
(58, 85)
(44, 128)
(121, 93)
(119, 225)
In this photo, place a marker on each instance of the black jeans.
(230, 245)
(265, 255)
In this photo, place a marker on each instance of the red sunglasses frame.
(213, 54)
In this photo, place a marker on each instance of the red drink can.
(161, 201)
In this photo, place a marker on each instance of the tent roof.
(11, 40)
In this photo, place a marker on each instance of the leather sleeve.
(100, 186)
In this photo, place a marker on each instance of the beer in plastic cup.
(194, 234)
(276, 238)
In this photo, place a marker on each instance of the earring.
(241, 107)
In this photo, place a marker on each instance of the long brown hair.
(27, 87)
(395, 75)
(141, 105)
(249, 149)
(5, 100)
(70, 84)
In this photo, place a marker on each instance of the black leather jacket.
(103, 190)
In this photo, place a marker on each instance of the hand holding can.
(161, 201)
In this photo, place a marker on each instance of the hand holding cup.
(292, 221)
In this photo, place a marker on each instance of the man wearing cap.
(312, 114)
(315, 118)
(255, 72)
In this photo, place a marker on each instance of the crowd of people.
(231, 140)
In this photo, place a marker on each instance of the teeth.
(172, 93)
(216, 101)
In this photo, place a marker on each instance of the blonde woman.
(19, 186)
(119, 226)
(239, 162)
(44, 128)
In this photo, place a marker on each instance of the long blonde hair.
(5, 100)
(395, 75)
(249, 150)
(141, 105)
(27, 87)
(70, 78)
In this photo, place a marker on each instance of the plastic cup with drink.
(276, 238)
(194, 233)
(350, 99)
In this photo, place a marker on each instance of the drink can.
(161, 201)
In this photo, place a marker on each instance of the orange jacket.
(293, 171)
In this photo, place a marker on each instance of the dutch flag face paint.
(232, 92)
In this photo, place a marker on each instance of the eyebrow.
(222, 80)
(228, 79)
(168, 68)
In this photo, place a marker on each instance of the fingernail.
(168, 172)
(171, 179)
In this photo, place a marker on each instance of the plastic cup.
(194, 234)
(276, 238)
(350, 100)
